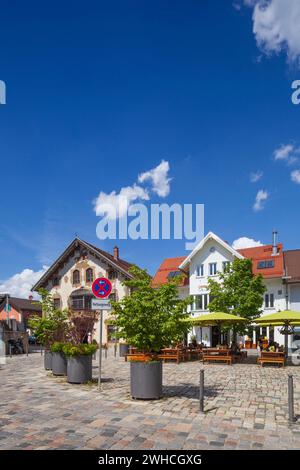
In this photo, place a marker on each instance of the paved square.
(245, 408)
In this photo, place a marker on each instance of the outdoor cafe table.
(223, 355)
(271, 357)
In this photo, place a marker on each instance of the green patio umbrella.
(216, 319)
(287, 319)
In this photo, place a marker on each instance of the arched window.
(76, 277)
(56, 302)
(89, 275)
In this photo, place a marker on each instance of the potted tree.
(150, 319)
(51, 330)
(78, 352)
(79, 361)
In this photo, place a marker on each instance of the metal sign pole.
(100, 351)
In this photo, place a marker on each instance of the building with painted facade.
(69, 279)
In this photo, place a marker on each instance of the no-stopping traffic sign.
(101, 287)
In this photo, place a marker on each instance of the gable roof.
(118, 264)
(23, 304)
(264, 253)
(209, 236)
(167, 266)
(292, 265)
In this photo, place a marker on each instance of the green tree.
(53, 325)
(151, 318)
(238, 291)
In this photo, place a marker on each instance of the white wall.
(199, 285)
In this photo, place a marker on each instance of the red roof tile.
(260, 253)
(264, 253)
(167, 266)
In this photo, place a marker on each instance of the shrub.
(57, 347)
(83, 349)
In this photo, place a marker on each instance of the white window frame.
(200, 270)
(210, 269)
(203, 306)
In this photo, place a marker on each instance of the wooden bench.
(271, 358)
(170, 354)
(217, 355)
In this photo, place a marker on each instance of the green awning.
(215, 318)
(279, 318)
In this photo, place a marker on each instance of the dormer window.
(89, 275)
(173, 274)
(76, 277)
(265, 264)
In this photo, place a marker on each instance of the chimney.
(116, 253)
(274, 243)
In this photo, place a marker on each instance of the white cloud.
(19, 284)
(276, 27)
(295, 176)
(159, 178)
(245, 242)
(287, 153)
(256, 176)
(116, 204)
(261, 197)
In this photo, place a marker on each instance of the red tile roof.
(259, 253)
(264, 253)
(167, 266)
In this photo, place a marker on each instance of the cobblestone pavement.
(245, 408)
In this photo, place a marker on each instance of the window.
(226, 265)
(55, 281)
(200, 270)
(201, 302)
(81, 302)
(212, 269)
(56, 302)
(112, 274)
(89, 275)
(269, 300)
(265, 264)
(76, 277)
(173, 274)
(112, 297)
(78, 302)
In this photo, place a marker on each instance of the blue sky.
(100, 92)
